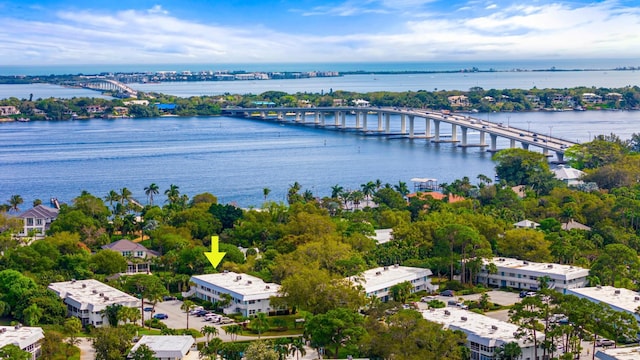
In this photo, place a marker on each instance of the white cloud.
(155, 36)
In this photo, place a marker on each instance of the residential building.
(138, 256)
(361, 103)
(383, 236)
(378, 282)
(572, 224)
(26, 338)
(621, 353)
(168, 347)
(484, 334)
(8, 110)
(526, 224)
(618, 298)
(567, 174)
(136, 102)
(94, 109)
(458, 100)
(525, 275)
(37, 221)
(86, 299)
(591, 98)
(249, 295)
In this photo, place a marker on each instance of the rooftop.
(568, 271)
(40, 212)
(496, 331)
(242, 284)
(625, 353)
(20, 336)
(625, 299)
(562, 172)
(91, 294)
(387, 276)
(383, 235)
(128, 245)
(166, 346)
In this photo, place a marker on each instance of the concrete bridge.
(434, 120)
(101, 84)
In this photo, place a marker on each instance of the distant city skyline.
(199, 31)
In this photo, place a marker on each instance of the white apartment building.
(86, 299)
(484, 334)
(624, 353)
(170, 347)
(378, 282)
(618, 298)
(250, 295)
(26, 338)
(525, 275)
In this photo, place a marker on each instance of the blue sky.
(51, 32)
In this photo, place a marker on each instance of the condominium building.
(525, 275)
(170, 347)
(86, 299)
(249, 295)
(618, 298)
(621, 353)
(484, 334)
(26, 338)
(378, 282)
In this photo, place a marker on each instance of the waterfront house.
(28, 339)
(526, 224)
(249, 295)
(87, 299)
(378, 281)
(170, 347)
(8, 110)
(591, 98)
(138, 257)
(484, 334)
(525, 275)
(37, 221)
(458, 100)
(568, 175)
(94, 109)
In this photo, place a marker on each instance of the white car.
(212, 317)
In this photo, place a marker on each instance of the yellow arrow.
(214, 256)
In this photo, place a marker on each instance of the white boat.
(23, 119)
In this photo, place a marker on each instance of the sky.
(54, 32)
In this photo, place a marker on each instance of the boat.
(23, 119)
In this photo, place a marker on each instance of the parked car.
(462, 305)
(148, 308)
(452, 303)
(161, 316)
(226, 320)
(604, 342)
(167, 298)
(449, 293)
(201, 313)
(427, 298)
(195, 310)
(212, 317)
(523, 293)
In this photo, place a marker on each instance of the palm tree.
(212, 348)
(297, 348)
(356, 197)
(210, 331)
(112, 197)
(15, 201)
(187, 305)
(233, 331)
(402, 188)
(368, 189)
(260, 323)
(378, 184)
(336, 190)
(173, 194)
(509, 351)
(151, 190)
(125, 195)
(265, 193)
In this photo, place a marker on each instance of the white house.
(378, 282)
(621, 353)
(26, 338)
(526, 224)
(568, 175)
(525, 275)
(86, 299)
(250, 295)
(169, 347)
(484, 334)
(138, 256)
(618, 298)
(37, 221)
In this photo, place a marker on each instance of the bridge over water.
(102, 84)
(434, 120)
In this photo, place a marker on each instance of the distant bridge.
(102, 84)
(301, 115)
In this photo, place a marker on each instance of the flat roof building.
(525, 275)
(86, 299)
(619, 299)
(484, 334)
(250, 295)
(378, 282)
(625, 353)
(168, 347)
(26, 338)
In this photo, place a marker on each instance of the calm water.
(357, 83)
(235, 159)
